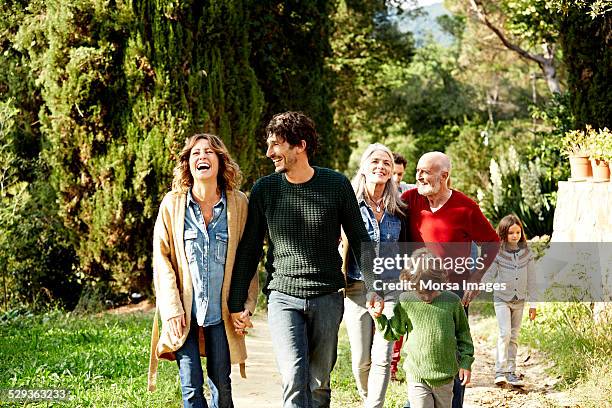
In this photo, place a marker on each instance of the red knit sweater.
(459, 221)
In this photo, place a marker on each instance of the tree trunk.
(550, 74)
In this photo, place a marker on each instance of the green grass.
(344, 390)
(102, 360)
(580, 349)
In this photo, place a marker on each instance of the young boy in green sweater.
(438, 340)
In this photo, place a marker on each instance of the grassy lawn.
(102, 360)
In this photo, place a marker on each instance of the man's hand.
(241, 321)
(464, 376)
(177, 324)
(532, 313)
(468, 296)
(375, 304)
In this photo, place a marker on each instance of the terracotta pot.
(580, 168)
(601, 170)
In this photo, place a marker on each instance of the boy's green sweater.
(438, 332)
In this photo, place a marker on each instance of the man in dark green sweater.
(301, 208)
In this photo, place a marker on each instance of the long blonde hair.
(229, 176)
(391, 197)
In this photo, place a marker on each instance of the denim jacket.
(391, 229)
(206, 248)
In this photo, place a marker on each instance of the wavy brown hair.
(229, 176)
(504, 226)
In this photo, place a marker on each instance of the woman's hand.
(241, 321)
(532, 313)
(375, 304)
(177, 325)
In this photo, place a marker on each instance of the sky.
(428, 2)
(422, 3)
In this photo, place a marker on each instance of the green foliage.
(289, 47)
(471, 154)
(505, 170)
(531, 21)
(122, 87)
(576, 143)
(521, 188)
(588, 59)
(370, 57)
(570, 337)
(43, 264)
(601, 145)
(36, 263)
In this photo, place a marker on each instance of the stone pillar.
(584, 214)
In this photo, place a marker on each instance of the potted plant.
(576, 147)
(601, 154)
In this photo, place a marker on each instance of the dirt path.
(262, 387)
(538, 390)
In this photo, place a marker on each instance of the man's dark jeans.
(305, 340)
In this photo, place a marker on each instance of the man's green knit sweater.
(303, 225)
(437, 333)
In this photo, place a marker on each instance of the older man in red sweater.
(449, 222)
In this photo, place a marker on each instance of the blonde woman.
(383, 214)
(197, 231)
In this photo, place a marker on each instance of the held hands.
(177, 325)
(532, 313)
(464, 376)
(468, 296)
(241, 321)
(375, 304)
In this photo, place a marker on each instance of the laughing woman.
(199, 225)
(382, 212)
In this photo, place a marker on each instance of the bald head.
(436, 160)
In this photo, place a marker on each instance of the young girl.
(439, 340)
(514, 268)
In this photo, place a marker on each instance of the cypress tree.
(290, 43)
(587, 55)
(123, 84)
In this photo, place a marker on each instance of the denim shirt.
(206, 248)
(387, 231)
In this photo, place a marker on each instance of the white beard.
(426, 190)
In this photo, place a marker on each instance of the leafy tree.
(122, 87)
(369, 59)
(587, 48)
(289, 47)
(531, 23)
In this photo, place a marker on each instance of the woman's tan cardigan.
(172, 279)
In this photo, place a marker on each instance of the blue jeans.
(305, 340)
(218, 368)
(458, 389)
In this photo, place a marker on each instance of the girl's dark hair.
(294, 127)
(504, 226)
